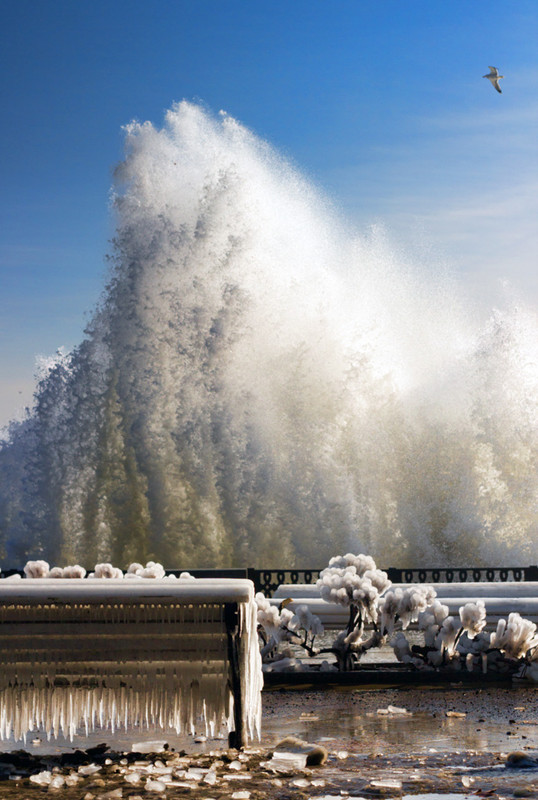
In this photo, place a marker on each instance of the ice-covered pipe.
(472, 590)
(335, 616)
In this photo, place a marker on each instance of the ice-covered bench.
(129, 653)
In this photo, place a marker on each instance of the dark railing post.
(254, 576)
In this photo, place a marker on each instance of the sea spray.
(262, 386)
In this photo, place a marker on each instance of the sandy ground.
(448, 741)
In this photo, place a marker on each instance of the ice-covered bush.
(473, 618)
(71, 572)
(278, 625)
(271, 618)
(443, 643)
(463, 643)
(403, 606)
(41, 569)
(515, 637)
(356, 583)
(151, 570)
(106, 571)
(55, 572)
(402, 648)
(430, 621)
(449, 641)
(353, 581)
(448, 637)
(304, 620)
(36, 569)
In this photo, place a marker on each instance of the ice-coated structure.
(128, 653)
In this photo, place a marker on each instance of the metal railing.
(268, 580)
(463, 574)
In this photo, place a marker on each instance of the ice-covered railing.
(501, 599)
(129, 653)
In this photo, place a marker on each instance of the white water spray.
(262, 386)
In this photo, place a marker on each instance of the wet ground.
(379, 743)
(482, 720)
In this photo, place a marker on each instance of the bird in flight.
(494, 77)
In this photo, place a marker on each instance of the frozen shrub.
(36, 569)
(107, 571)
(277, 624)
(76, 571)
(516, 637)
(355, 583)
(55, 572)
(303, 619)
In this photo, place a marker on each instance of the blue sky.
(380, 102)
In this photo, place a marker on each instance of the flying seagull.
(494, 77)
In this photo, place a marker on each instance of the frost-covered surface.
(126, 652)
(95, 590)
